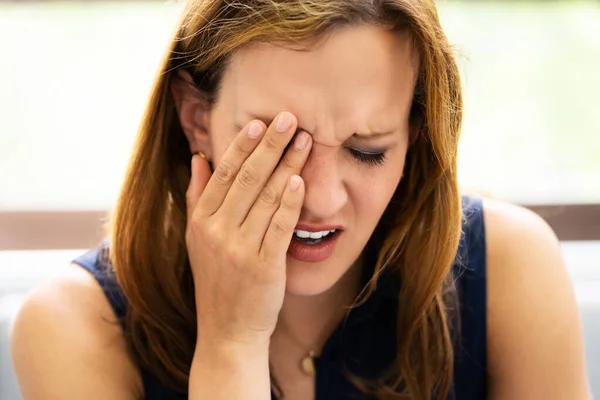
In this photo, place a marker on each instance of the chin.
(309, 279)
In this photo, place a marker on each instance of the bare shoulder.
(535, 345)
(66, 342)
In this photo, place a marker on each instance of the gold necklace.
(307, 363)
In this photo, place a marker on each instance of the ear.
(193, 109)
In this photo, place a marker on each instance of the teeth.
(312, 235)
(302, 234)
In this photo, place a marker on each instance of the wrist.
(235, 338)
(231, 349)
(219, 363)
(230, 358)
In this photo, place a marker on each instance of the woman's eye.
(370, 158)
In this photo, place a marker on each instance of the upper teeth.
(312, 235)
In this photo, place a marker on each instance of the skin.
(314, 86)
(339, 189)
(358, 80)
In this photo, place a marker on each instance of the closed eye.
(372, 159)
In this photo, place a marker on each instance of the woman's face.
(353, 94)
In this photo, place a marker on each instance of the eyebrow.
(360, 136)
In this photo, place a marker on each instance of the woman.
(291, 226)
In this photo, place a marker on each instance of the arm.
(67, 344)
(230, 371)
(535, 346)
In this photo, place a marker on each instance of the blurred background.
(74, 78)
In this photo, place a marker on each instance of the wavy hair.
(417, 238)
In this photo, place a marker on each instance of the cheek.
(222, 135)
(374, 188)
(219, 147)
(372, 192)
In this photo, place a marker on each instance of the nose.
(325, 191)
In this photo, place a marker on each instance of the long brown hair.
(420, 228)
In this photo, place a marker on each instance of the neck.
(310, 320)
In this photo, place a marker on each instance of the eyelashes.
(371, 159)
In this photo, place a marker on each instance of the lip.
(313, 253)
(317, 228)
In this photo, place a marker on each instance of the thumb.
(201, 173)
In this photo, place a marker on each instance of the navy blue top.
(365, 342)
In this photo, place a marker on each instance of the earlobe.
(193, 112)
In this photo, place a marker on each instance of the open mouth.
(313, 246)
(313, 238)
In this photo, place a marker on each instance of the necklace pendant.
(308, 364)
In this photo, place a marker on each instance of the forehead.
(355, 74)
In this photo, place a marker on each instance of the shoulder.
(507, 225)
(67, 342)
(519, 241)
(535, 347)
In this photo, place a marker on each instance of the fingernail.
(295, 182)
(301, 141)
(284, 123)
(255, 130)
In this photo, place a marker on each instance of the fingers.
(281, 227)
(227, 169)
(257, 169)
(257, 222)
(199, 178)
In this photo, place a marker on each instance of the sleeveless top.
(365, 342)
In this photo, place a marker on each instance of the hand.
(240, 222)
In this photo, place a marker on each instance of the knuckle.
(247, 177)
(224, 172)
(270, 142)
(242, 148)
(194, 229)
(214, 236)
(280, 225)
(235, 257)
(195, 224)
(270, 196)
(288, 163)
(290, 203)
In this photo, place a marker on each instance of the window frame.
(53, 230)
